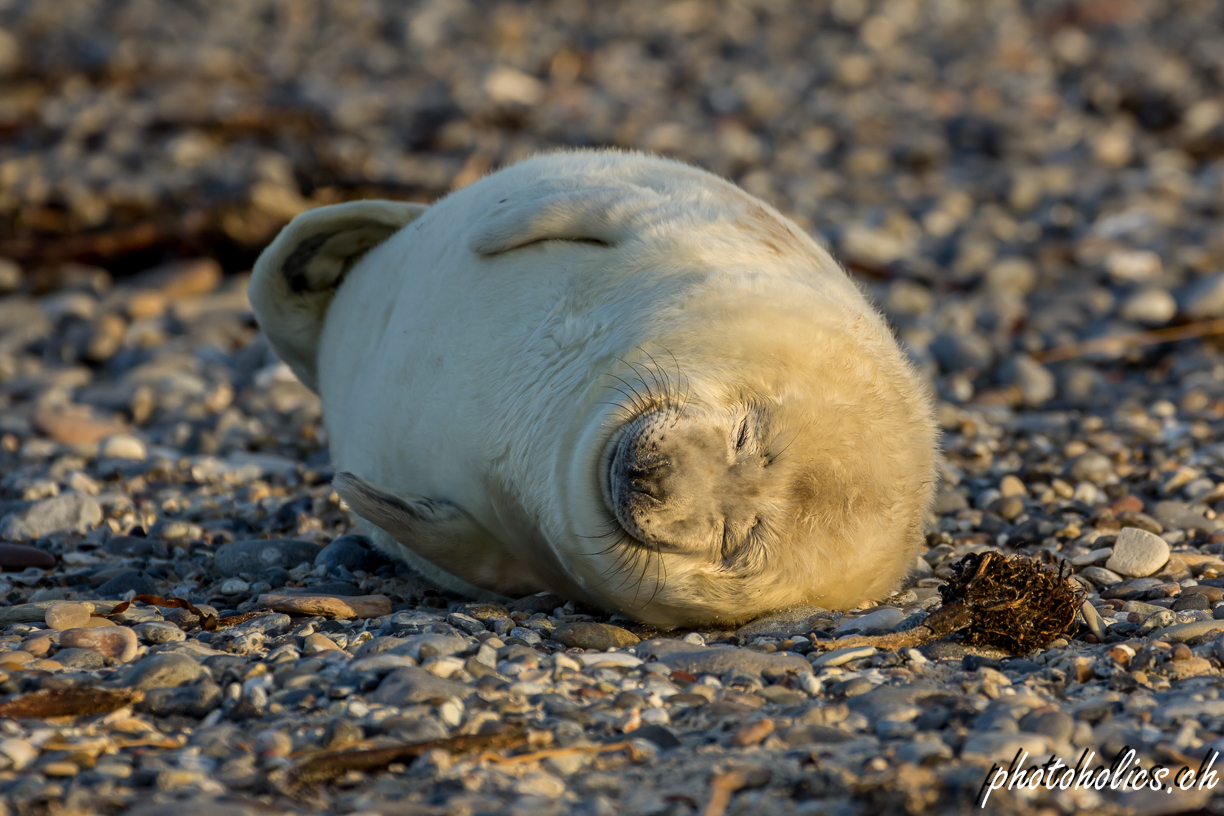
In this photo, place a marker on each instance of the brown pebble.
(75, 425)
(1083, 669)
(16, 557)
(361, 606)
(598, 636)
(318, 643)
(753, 733)
(145, 303)
(1127, 504)
(62, 768)
(1122, 654)
(1181, 652)
(115, 642)
(98, 623)
(15, 659)
(67, 616)
(38, 645)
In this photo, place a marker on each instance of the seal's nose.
(648, 479)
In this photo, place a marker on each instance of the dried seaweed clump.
(1013, 603)
(1016, 604)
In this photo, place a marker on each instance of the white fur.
(471, 358)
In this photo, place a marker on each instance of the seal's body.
(612, 376)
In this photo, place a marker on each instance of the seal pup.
(612, 376)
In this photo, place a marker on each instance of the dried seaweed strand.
(208, 621)
(337, 763)
(552, 752)
(1125, 342)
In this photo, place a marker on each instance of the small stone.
(1188, 631)
(122, 446)
(1150, 306)
(596, 636)
(60, 769)
(1096, 624)
(16, 557)
(1101, 576)
(18, 752)
(113, 642)
(467, 623)
(164, 670)
(353, 552)
(1181, 652)
(1010, 485)
(1008, 508)
(883, 618)
(181, 279)
(1091, 466)
(234, 586)
(838, 657)
(319, 643)
(792, 621)
(1138, 553)
(130, 581)
(1203, 298)
(253, 556)
(67, 512)
(75, 425)
(994, 746)
(544, 602)
(752, 733)
(1034, 382)
(175, 530)
(1211, 593)
(593, 659)
(82, 659)
(159, 632)
(181, 701)
(362, 606)
(128, 545)
(67, 616)
(1160, 620)
(17, 659)
(1191, 601)
(411, 685)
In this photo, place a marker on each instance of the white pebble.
(122, 446)
(234, 586)
(1138, 553)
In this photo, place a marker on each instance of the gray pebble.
(165, 669)
(86, 659)
(131, 581)
(71, 511)
(253, 556)
(184, 701)
(353, 552)
(410, 685)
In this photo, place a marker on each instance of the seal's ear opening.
(296, 277)
(578, 208)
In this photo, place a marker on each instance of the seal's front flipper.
(442, 534)
(296, 277)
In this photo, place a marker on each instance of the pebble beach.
(1030, 191)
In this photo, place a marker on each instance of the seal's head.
(788, 464)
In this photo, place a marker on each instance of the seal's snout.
(640, 478)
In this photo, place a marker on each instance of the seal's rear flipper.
(439, 539)
(297, 275)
